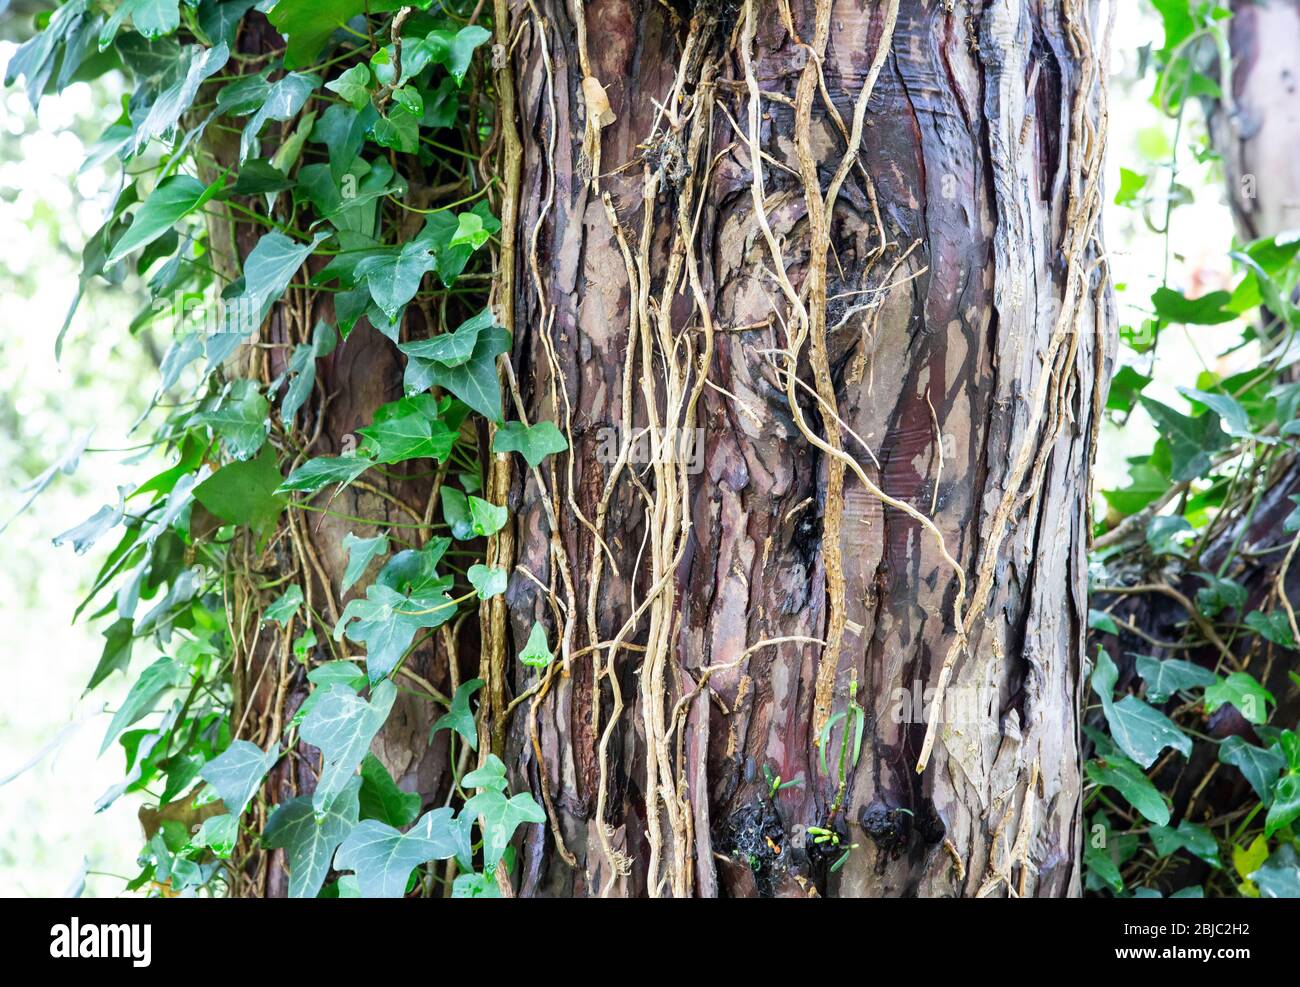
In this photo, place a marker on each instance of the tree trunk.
(893, 356)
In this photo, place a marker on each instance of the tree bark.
(856, 247)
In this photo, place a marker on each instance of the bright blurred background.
(50, 837)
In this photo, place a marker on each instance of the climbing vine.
(288, 169)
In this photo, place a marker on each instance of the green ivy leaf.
(1231, 414)
(381, 798)
(1163, 535)
(282, 101)
(536, 653)
(324, 470)
(474, 381)
(533, 442)
(237, 773)
(488, 582)
(487, 518)
(408, 429)
(341, 726)
(308, 24)
(1275, 627)
(241, 419)
(460, 717)
(285, 606)
(218, 834)
(1207, 310)
(400, 130)
(1258, 766)
(310, 839)
(245, 493)
(353, 85)
(1130, 184)
(162, 675)
(491, 775)
(1242, 691)
(152, 18)
(1195, 839)
(499, 817)
(455, 512)
(1285, 807)
(454, 348)
(1131, 782)
(1192, 441)
(1171, 676)
(1280, 876)
(386, 621)
(1141, 731)
(1101, 621)
(1219, 594)
(173, 200)
(383, 858)
(342, 673)
(361, 552)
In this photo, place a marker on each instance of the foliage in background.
(364, 100)
(1164, 726)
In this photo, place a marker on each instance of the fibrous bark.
(856, 247)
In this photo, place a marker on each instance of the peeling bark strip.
(856, 246)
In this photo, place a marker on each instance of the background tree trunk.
(948, 321)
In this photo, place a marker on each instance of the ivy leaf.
(470, 231)
(152, 18)
(488, 582)
(1285, 807)
(1141, 731)
(499, 817)
(1258, 766)
(342, 673)
(474, 381)
(487, 518)
(162, 675)
(490, 775)
(308, 839)
(1099, 620)
(475, 885)
(173, 199)
(166, 111)
(386, 621)
(361, 551)
(400, 130)
(341, 726)
(1219, 594)
(454, 348)
(1124, 390)
(302, 369)
(1163, 535)
(533, 442)
(455, 512)
(393, 276)
(324, 470)
(308, 24)
(536, 653)
(116, 656)
(285, 606)
(1242, 691)
(353, 86)
(258, 177)
(283, 100)
(84, 535)
(455, 50)
(1280, 875)
(1131, 782)
(383, 858)
(1100, 853)
(1231, 414)
(1195, 839)
(460, 717)
(408, 429)
(1173, 675)
(218, 834)
(1130, 184)
(245, 493)
(268, 269)
(241, 419)
(1192, 441)
(237, 773)
(1207, 310)
(1275, 627)
(381, 798)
